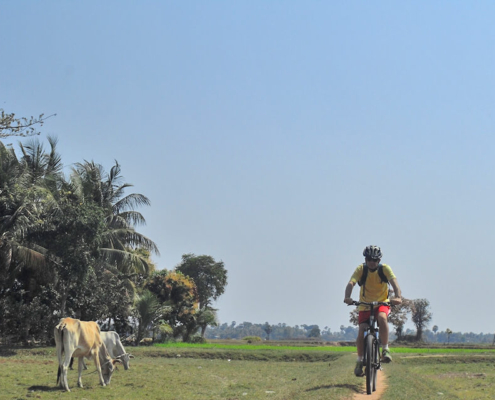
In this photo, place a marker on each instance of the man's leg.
(358, 370)
(360, 339)
(383, 327)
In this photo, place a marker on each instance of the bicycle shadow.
(355, 388)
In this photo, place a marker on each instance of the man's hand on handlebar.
(396, 301)
(348, 301)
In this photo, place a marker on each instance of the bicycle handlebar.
(372, 303)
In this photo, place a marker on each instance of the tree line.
(282, 331)
(71, 246)
(418, 311)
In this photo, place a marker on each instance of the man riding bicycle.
(373, 278)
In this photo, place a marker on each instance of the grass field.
(253, 372)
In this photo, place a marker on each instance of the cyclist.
(373, 288)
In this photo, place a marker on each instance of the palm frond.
(135, 240)
(125, 261)
(130, 202)
(127, 219)
(34, 256)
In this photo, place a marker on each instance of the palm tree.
(149, 310)
(121, 240)
(26, 202)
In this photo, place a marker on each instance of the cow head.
(125, 359)
(107, 369)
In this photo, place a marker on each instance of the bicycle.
(372, 346)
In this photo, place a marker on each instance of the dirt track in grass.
(381, 386)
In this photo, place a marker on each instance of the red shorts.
(364, 316)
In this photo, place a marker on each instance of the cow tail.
(60, 329)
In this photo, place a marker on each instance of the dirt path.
(381, 386)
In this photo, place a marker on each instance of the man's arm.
(348, 292)
(397, 292)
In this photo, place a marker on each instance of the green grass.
(162, 374)
(423, 350)
(346, 349)
(203, 372)
(252, 347)
(452, 376)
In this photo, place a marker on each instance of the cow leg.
(65, 367)
(60, 373)
(98, 368)
(79, 370)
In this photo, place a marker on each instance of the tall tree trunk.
(63, 303)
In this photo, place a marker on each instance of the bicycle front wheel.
(370, 357)
(376, 362)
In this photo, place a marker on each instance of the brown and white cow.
(81, 339)
(114, 347)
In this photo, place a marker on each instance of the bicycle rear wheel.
(370, 356)
(376, 362)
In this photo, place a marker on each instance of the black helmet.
(372, 252)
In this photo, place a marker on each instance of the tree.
(206, 317)
(148, 310)
(448, 332)
(59, 240)
(179, 294)
(435, 329)
(28, 206)
(314, 332)
(421, 316)
(67, 247)
(268, 329)
(398, 316)
(27, 202)
(353, 318)
(12, 126)
(90, 183)
(210, 276)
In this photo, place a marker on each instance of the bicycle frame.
(372, 346)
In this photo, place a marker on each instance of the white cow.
(114, 347)
(81, 339)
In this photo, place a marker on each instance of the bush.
(251, 339)
(165, 332)
(197, 339)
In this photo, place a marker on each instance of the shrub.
(251, 339)
(165, 332)
(197, 339)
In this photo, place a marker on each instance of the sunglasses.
(372, 259)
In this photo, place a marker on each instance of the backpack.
(362, 281)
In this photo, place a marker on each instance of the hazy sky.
(282, 137)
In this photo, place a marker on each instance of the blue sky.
(282, 138)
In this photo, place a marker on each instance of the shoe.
(386, 357)
(358, 371)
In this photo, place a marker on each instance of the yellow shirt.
(375, 289)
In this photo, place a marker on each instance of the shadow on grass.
(7, 352)
(44, 388)
(355, 388)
